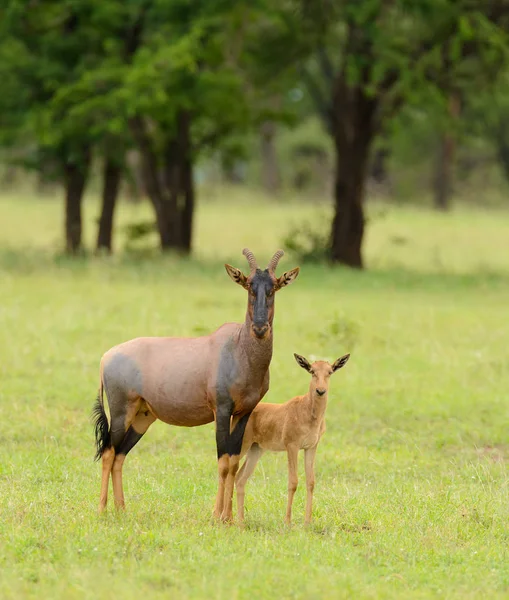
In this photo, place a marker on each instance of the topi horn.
(274, 261)
(250, 259)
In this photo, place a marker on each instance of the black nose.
(260, 330)
(320, 391)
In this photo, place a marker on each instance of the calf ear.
(341, 362)
(237, 275)
(287, 278)
(303, 362)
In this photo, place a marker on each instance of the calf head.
(320, 371)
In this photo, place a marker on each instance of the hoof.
(216, 517)
(226, 518)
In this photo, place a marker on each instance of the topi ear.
(303, 362)
(341, 362)
(237, 275)
(287, 278)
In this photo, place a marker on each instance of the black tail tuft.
(102, 429)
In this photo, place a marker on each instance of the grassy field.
(412, 482)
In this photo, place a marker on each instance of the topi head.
(261, 286)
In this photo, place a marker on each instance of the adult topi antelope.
(219, 377)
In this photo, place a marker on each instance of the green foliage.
(309, 241)
(76, 74)
(487, 112)
(88, 69)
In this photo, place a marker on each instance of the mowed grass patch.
(411, 498)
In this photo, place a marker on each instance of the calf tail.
(101, 425)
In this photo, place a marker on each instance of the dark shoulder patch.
(227, 371)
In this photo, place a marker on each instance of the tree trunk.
(188, 209)
(500, 136)
(185, 191)
(271, 178)
(111, 182)
(9, 176)
(170, 188)
(75, 175)
(232, 171)
(172, 178)
(348, 223)
(153, 185)
(503, 156)
(443, 173)
(378, 171)
(443, 187)
(45, 182)
(134, 184)
(353, 137)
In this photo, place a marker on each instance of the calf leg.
(293, 479)
(253, 456)
(309, 463)
(234, 449)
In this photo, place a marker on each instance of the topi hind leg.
(142, 420)
(107, 458)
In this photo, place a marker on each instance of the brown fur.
(295, 425)
(176, 380)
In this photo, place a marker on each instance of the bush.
(310, 242)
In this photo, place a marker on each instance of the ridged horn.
(253, 265)
(275, 260)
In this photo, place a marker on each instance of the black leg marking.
(223, 418)
(130, 440)
(237, 436)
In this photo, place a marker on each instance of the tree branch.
(134, 33)
(497, 13)
(148, 160)
(211, 138)
(322, 105)
(326, 65)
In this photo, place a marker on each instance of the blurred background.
(363, 133)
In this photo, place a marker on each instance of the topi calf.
(295, 425)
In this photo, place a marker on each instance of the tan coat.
(295, 425)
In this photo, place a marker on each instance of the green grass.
(412, 483)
